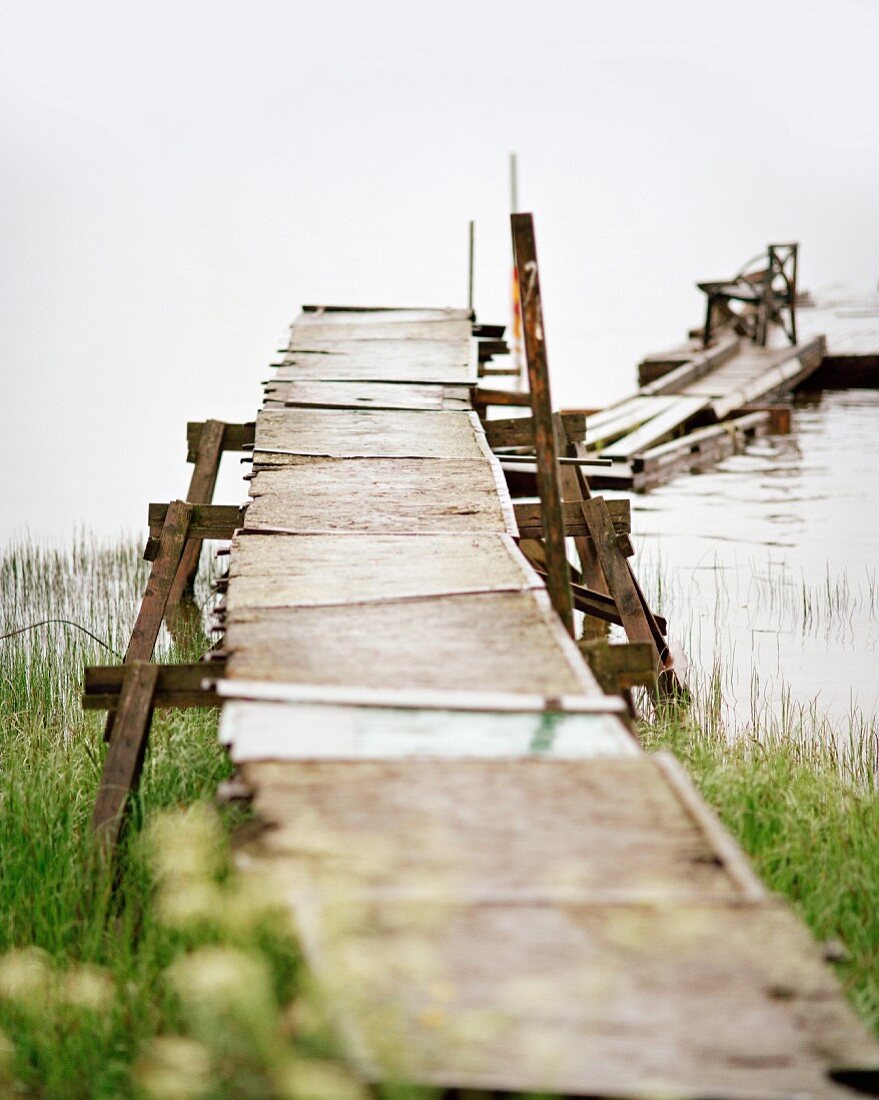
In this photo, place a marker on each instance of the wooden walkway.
(694, 407)
(495, 887)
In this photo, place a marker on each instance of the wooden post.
(125, 753)
(201, 491)
(558, 578)
(158, 589)
(638, 620)
(155, 599)
(576, 487)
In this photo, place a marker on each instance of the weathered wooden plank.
(500, 641)
(377, 315)
(558, 577)
(296, 731)
(314, 570)
(656, 429)
(125, 753)
(375, 368)
(519, 431)
(699, 364)
(307, 331)
(608, 424)
(415, 354)
(369, 395)
(347, 433)
(425, 496)
(559, 832)
(175, 686)
(779, 378)
(397, 698)
(619, 1000)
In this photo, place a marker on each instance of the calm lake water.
(767, 566)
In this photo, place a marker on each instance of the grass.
(185, 980)
(802, 800)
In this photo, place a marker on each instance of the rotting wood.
(552, 523)
(125, 753)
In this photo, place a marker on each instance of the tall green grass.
(180, 979)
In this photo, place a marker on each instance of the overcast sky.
(177, 178)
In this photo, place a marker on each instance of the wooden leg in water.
(181, 612)
(638, 621)
(124, 759)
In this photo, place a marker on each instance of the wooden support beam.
(175, 686)
(487, 348)
(484, 397)
(638, 620)
(558, 576)
(207, 521)
(236, 437)
(171, 534)
(201, 491)
(620, 668)
(518, 431)
(124, 760)
(596, 604)
(529, 519)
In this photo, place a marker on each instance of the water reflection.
(767, 566)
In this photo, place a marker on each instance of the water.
(767, 568)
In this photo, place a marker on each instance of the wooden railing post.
(558, 574)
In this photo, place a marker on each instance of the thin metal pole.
(514, 185)
(470, 266)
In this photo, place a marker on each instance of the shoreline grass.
(138, 992)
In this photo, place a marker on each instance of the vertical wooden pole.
(201, 491)
(125, 753)
(558, 576)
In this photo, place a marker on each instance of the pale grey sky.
(175, 178)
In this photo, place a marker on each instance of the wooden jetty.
(495, 887)
(709, 397)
